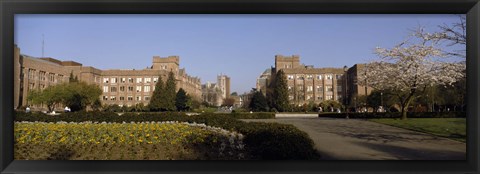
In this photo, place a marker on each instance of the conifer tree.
(181, 100)
(156, 102)
(258, 102)
(170, 92)
(280, 92)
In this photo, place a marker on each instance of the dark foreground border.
(10, 7)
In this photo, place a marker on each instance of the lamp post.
(345, 69)
(381, 100)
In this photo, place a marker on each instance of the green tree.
(228, 102)
(379, 98)
(181, 100)
(75, 95)
(280, 92)
(50, 96)
(234, 94)
(170, 92)
(330, 104)
(258, 102)
(96, 105)
(156, 102)
(80, 95)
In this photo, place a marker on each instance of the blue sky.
(240, 46)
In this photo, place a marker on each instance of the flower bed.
(125, 141)
(262, 140)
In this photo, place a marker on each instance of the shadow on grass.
(415, 153)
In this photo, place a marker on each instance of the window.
(122, 88)
(329, 88)
(290, 77)
(339, 76)
(139, 98)
(105, 88)
(51, 77)
(60, 78)
(320, 98)
(129, 98)
(130, 88)
(319, 88)
(113, 80)
(299, 77)
(300, 87)
(123, 79)
(139, 80)
(329, 77)
(319, 77)
(147, 79)
(309, 88)
(42, 86)
(290, 97)
(31, 73)
(289, 88)
(139, 88)
(329, 97)
(309, 77)
(339, 97)
(122, 98)
(42, 75)
(339, 88)
(155, 79)
(309, 97)
(130, 80)
(105, 80)
(146, 89)
(147, 98)
(113, 98)
(113, 89)
(105, 97)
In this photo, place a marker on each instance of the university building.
(215, 93)
(307, 84)
(120, 87)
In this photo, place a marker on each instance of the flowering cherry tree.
(409, 67)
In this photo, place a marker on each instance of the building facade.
(307, 84)
(354, 90)
(215, 93)
(223, 82)
(263, 80)
(120, 87)
(211, 94)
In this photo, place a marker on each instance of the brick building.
(309, 84)
(121, 87)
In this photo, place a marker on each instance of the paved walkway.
(354, 139)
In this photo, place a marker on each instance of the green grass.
(453, 128)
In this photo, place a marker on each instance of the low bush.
(247, 115)
(396, 115)
(262, 140)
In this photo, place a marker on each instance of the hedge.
(263, 140)
(247, 115)
(396, 115)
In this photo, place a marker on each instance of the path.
(354, 139)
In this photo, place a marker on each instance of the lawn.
(453, 128)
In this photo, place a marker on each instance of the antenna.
(43, 45)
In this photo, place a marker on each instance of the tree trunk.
(405, 105)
